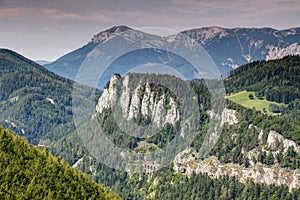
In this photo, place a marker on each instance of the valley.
(149, 100)
(254, 147)
(253, 155)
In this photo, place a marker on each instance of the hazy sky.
(47, 29)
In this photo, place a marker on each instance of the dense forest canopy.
(30, 173)
(168, 184)
(276, 80)
(34, 102)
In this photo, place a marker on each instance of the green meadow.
(243, 99)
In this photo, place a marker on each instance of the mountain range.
(228, 48)
(256, 156)
(42, 62)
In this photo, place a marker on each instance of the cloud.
(59, 14)
(13, 11)
(27, 13)
(171, 13)
(72, 23)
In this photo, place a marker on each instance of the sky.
(48, 29)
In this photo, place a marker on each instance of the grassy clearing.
(243, 99)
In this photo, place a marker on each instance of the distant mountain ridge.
(68, 65)
(238, 46)
(229, 48)
(42, 62)
(104, 35)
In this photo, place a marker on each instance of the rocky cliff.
(188, 162)
(145, 101)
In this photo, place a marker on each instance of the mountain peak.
(118, 29)
(104, 35)
(206, 34)
(210, 28)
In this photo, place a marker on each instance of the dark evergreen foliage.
(30, 173)
(277, 80)
(26, 92)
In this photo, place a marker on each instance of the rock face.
(105, 35)
(276, 52)
(228, 116)
(275, 137)
(275, 143)
(141, 101)
(109, 95)
(187, 162)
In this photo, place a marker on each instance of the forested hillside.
(235, 146)
(276, 80)
(34, 102)
(37, 105)
(253, 149)
(169, 184)
(30, 173)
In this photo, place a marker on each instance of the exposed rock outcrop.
(228, 116)
(142, 100)
(276, 52)
(187, 162)
(105, 35)
(275, 137)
